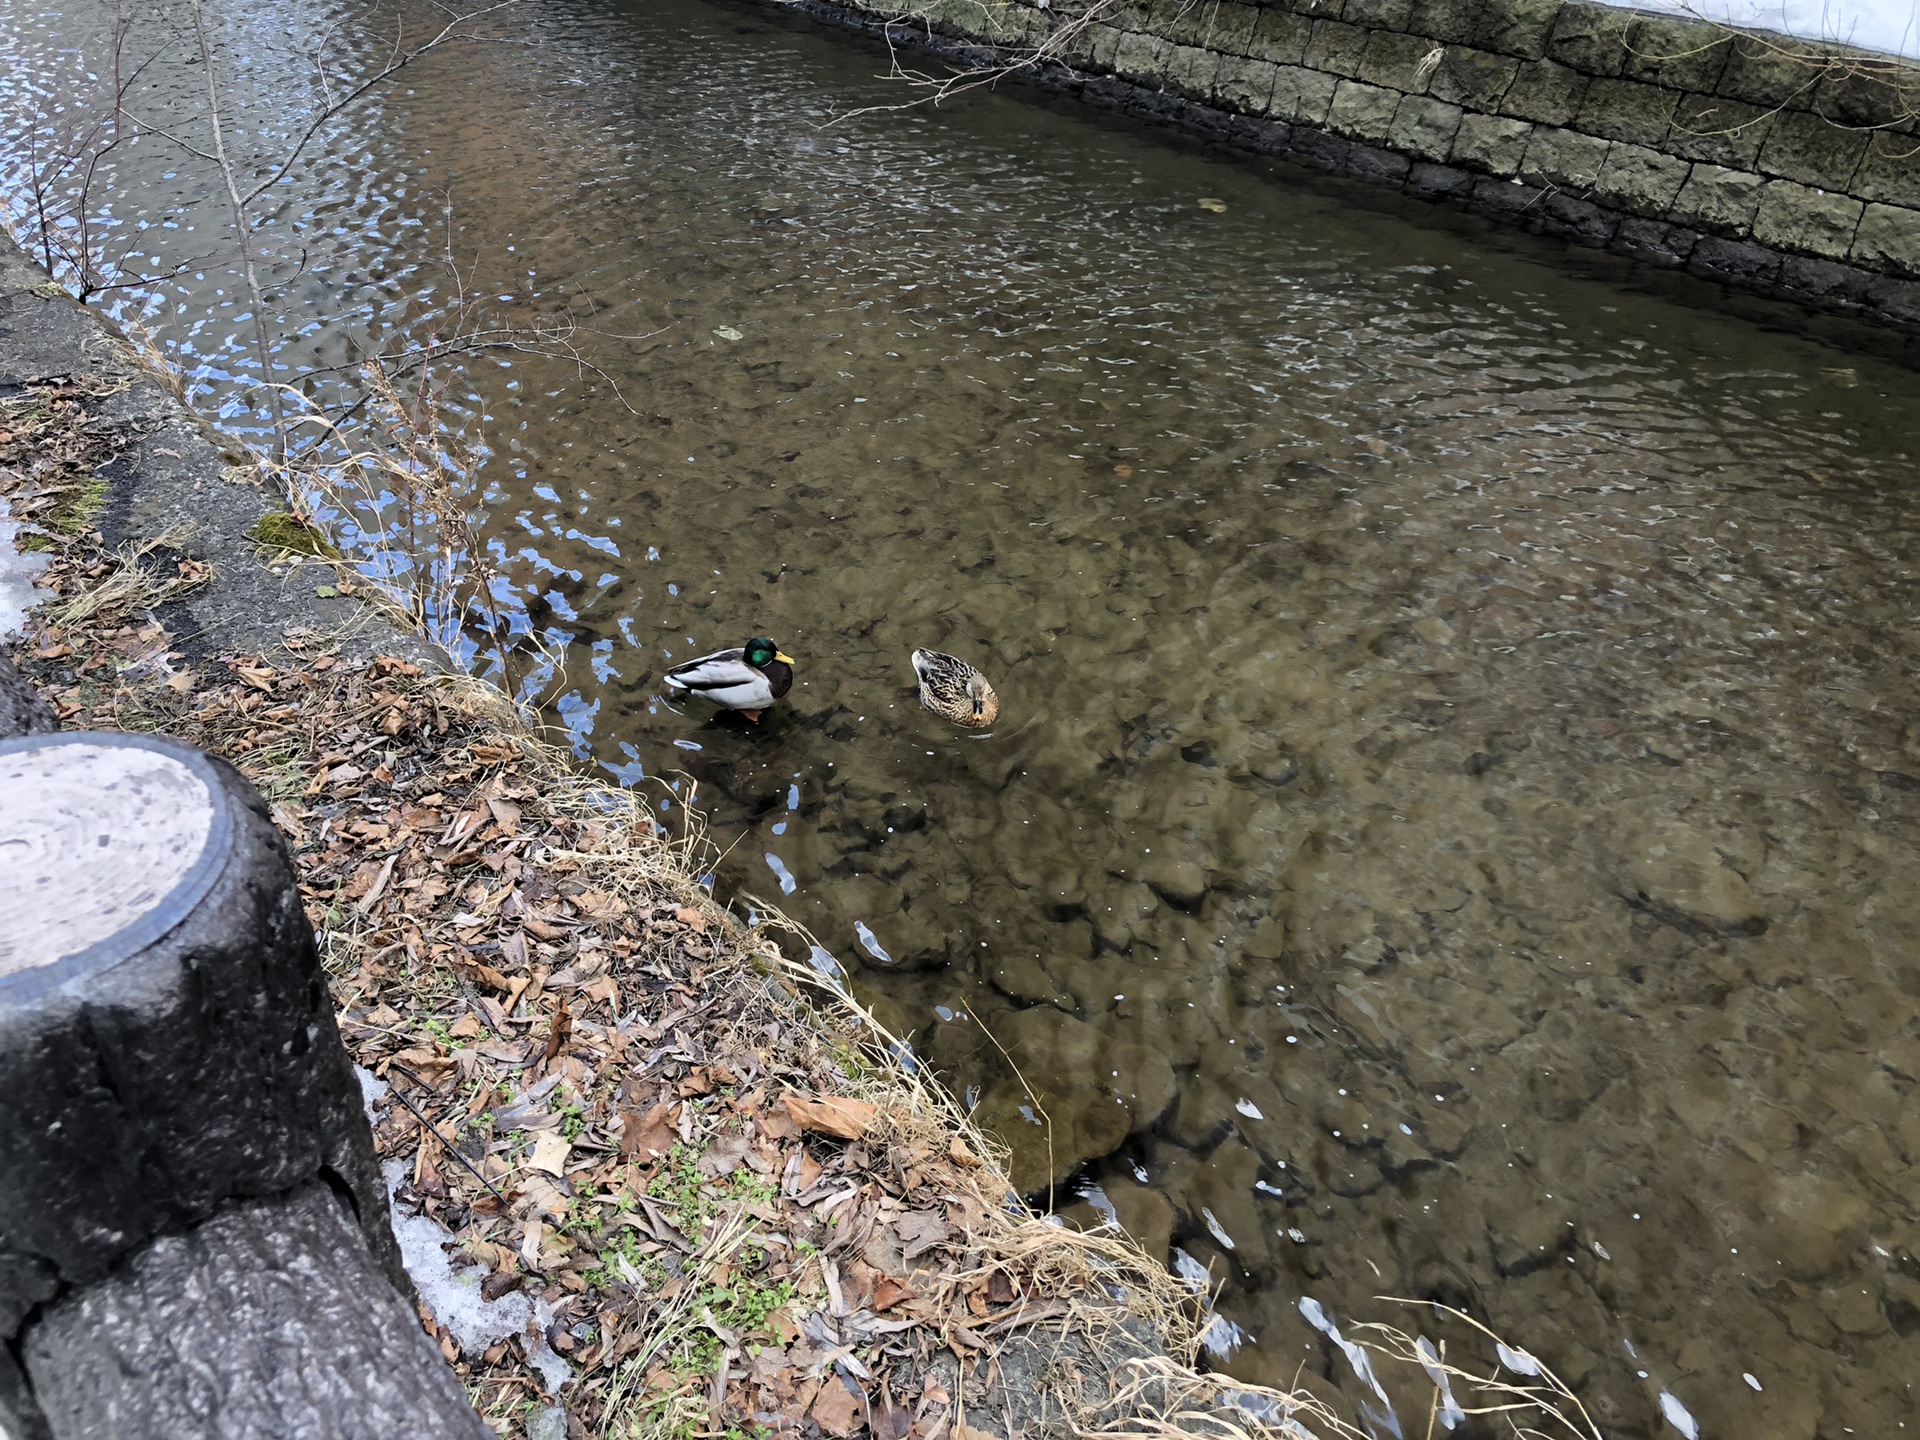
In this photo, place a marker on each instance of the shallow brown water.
(1451, 828)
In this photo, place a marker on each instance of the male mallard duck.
(954, 690)
(748, 679)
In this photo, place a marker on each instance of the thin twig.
(434, 1130)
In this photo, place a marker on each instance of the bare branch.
(399, 61)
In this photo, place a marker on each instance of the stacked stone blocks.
(1591, 119)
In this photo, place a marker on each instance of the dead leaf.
(550, 1149)
(485, 975)
(964, 1431)
(832, 1115)
(803, 1172)
(692, 919)
(840, 1410)
(599, 905)
(649, 1136)
(724, 1156)
(562, 1027)
(363, 879)
(920, 1231)
(889, 1292)
(506, 815)
(778, 1125)
(891, 1421)
(541, 930)
(958, 1152)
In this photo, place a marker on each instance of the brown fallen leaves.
(831, 1115)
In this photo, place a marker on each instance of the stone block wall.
(1775, 164)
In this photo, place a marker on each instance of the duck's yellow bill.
(787, 659)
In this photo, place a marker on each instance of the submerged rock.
(1077, 1094)
(1685, 877)
(1144, 1214)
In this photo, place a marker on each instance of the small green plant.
(681, 1185)
(754, 1189)
(742, 1308)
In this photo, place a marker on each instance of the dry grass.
(131, 582)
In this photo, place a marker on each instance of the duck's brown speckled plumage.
(955, 690)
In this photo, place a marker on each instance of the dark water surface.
(1452, 827)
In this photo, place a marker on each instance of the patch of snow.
(372, 1090)
(1889, 26)
(452, 1292)
(18, 569)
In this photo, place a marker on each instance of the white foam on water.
(1678, 1416)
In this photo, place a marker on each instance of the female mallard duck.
(954, 690)
(748, 679)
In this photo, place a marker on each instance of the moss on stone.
(282, 530)
(78, 506)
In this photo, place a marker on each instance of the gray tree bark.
(22, 711)
(194, 1238)
(270, 1321)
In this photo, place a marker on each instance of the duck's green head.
(762, 652)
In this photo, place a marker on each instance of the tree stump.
(175, 1089)
(268, 1322)
(22, 711)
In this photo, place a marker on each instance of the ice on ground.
(18, 570)
(1889, 26)
(452, 1292)
(372, 1090)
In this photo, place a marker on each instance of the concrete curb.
(170, 467)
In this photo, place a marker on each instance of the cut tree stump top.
(106, 843)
